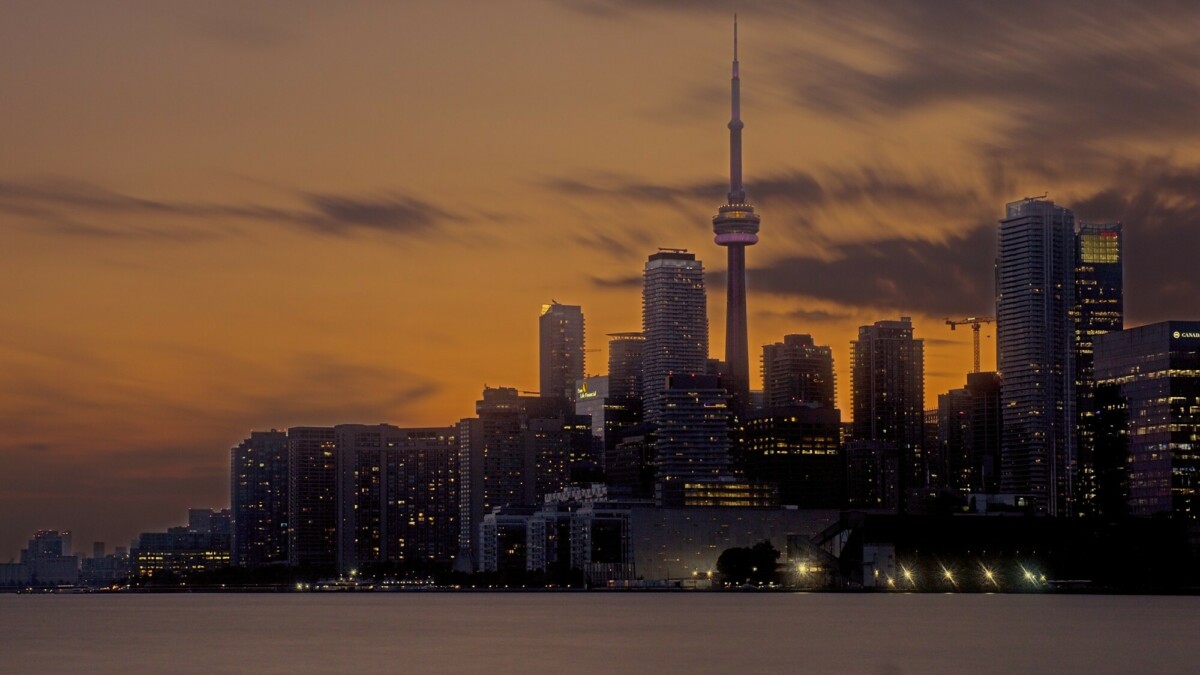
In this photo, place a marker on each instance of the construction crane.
(974, 322)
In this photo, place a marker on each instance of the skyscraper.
(693, 434)
(1035, 300)
(312, 497)
(625, 364)
(736, 227)
(397, 495)
(1099, 309)
(1148, 382)
(967, 454)
(797, 371)
(888, 391)
(674, 321)
(560, 332)
(514, 452)
(259, 499)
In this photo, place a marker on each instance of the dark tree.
(755, 564)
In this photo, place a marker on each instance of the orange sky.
(219, 218)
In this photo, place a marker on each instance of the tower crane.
(974, 322)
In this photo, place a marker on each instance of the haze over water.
(596, 632)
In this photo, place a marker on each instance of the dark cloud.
(787, 190)
(907, 276)
(395, 213)
(1066, 75)
(74, 208)
(808, 315)
(617, 282)
(1159, 205)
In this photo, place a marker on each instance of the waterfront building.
(397, 496)
(517, 449)
(312, 497)
(259, 499)
(180, 552)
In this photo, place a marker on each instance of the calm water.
(595, 632)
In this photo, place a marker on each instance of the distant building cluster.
(656, 467)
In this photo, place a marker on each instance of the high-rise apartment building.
(1035, 325)
(397, 495)
(515, 451)
(797, 372)
(625, 364)
(888, 392)
(798, 449)
(692, 441)
(1099, 309)
(312, 497)
(561, 339)
(966, 458)
(674, 322)
(1148, 436)
(259, 498)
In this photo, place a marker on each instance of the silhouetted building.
(692, 438)
(47, 560)
(625, 364)
(888, 392)
(797, 371)
(967, 455)
(675, 323)
(397, 496)
(312, 497)
(1099, 309)
(798, 449)
(259, 497)
(1148, 385)
(1035, 301)
(560, 330)
(515, 451)
(872, 475)
(180, 552)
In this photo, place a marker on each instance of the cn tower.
(736, 227)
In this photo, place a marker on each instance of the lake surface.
(598, 632)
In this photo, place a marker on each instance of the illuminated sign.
(1185, 334)
(583, 391)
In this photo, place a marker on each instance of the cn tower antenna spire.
(737, 194)
(736, 227)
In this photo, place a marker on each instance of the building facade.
(312, 497)
(797, 371)
(674, 322)
(1148, 385)
(561, 341)
(1099, 309)
(888, 393)
(1035, 301)
(259, 499)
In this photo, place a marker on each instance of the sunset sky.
(225, 216)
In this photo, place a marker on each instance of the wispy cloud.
(87, 210)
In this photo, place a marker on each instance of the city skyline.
(197, 240)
